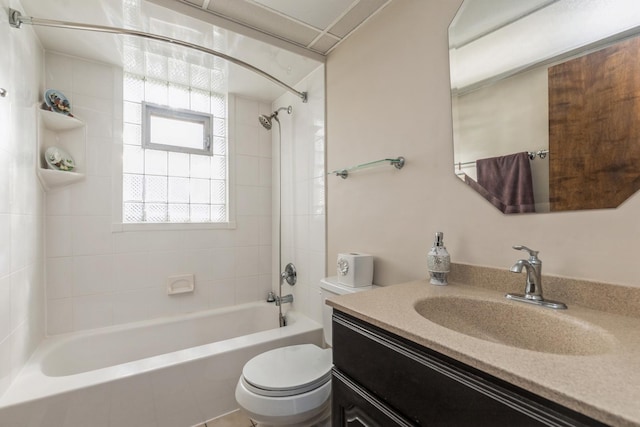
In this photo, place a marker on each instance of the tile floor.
(233, 419)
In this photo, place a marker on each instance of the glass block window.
(169, 179)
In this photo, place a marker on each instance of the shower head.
(265, 120)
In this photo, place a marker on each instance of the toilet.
(291, 386)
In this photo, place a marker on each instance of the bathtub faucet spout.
(283, 300)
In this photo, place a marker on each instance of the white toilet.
(291, 386)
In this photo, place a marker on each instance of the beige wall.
(387, 95)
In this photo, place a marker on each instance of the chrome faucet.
(284, 299)
(533, 288)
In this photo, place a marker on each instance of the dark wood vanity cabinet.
(380, 379)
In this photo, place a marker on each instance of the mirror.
(546, 102)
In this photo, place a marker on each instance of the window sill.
(168, 226)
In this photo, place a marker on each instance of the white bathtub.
(171, 372)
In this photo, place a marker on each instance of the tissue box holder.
(355, 269)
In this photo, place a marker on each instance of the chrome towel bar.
(398, 163)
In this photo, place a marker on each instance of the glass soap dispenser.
(438, 261)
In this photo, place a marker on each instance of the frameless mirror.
(546, 102)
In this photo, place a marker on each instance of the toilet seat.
(288, 371)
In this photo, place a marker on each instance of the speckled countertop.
(604, 386)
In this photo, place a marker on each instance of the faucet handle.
(533, 254)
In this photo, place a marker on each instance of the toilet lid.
(288, 371)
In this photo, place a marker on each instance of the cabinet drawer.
(354, 406)
(431, 389)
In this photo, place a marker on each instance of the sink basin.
(517, 325)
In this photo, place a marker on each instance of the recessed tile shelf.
(65, 132)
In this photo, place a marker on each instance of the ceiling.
(493, 39)
(317, 25)
(476, 19)
(288, 39)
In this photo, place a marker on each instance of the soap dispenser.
(438, 261)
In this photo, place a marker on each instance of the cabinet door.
(353, 406)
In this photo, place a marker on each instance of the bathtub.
(170, 372)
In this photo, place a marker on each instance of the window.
(175, 153)
(183, 131)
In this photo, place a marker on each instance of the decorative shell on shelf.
(59, 159)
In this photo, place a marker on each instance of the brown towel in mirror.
(507, 179)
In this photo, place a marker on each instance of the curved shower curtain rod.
(16, 19)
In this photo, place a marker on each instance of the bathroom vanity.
(382, 379)
(396, 362)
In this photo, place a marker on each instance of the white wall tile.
(223, 293)
(302, 196)
(20, 241)
(265, 200)
(248, 231)
(265, 144)
(181, 303)
(247, 139)
(5, 365)
(5, 172)
(317, 233)
(99, 152)
(248, 261)
(266, 172)
(91, 196)
(93, 274)
(247, 111)
(264, 230)
(121, 276)
(93, 103)
(301, 231)
(131, 271)
(199, 264)
(247, 200)
(59, 277)
(59, 73)
(265, 260)
(92, 235)
(92, 311)
(223, 262)
(98, 125)
(59, 316)
(247, 170)
(248, 289)
(265, 285)
(5, 308)
(162, 241)
(165, 264)
(58, 201)
(92, 79)
(133, 305)
(5, 248)
(21, 203)
(23, 343)
(59, 236)
(20, 288)
(130, 241)
(207, 239)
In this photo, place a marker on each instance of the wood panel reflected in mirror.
(542, 80)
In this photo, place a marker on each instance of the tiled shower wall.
(303, 196)
(21, 200)
(96, 277)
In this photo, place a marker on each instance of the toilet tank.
(329, 287)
